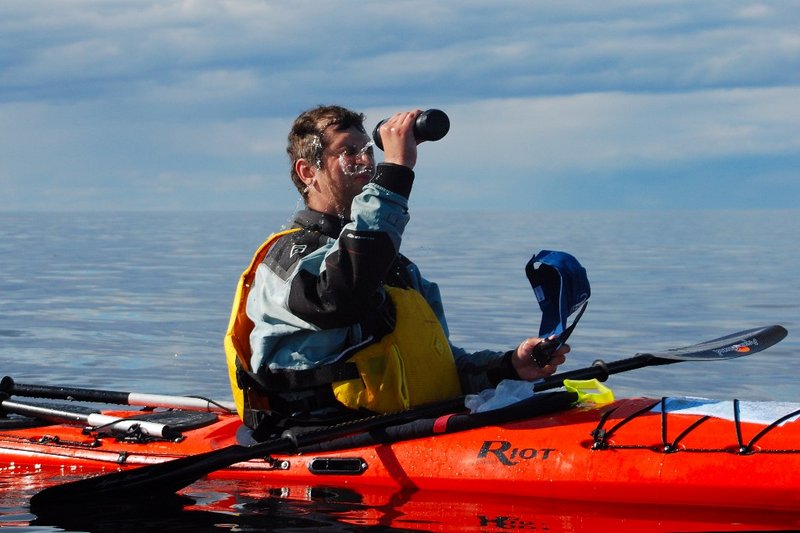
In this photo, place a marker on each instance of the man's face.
(347, 165)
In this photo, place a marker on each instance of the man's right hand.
(399, 144)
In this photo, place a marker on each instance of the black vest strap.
(293, 380)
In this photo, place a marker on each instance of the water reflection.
(236, 509)
(254, 507)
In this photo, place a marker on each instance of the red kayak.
(633, 451)
(677, 463)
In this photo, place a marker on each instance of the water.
(140, 302)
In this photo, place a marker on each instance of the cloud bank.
(567, 105)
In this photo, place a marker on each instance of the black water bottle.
(431, 125)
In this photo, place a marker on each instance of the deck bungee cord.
(603, 438)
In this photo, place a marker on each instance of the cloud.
(466, 48)
(518, 150)
(613, 128)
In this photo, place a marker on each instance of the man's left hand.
(528, 369)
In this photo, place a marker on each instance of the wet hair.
(307, 136)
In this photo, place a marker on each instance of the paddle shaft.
(9, 386)
(600, 370)
(169, 477)
(115, 425)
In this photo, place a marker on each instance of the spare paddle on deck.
(169, 477)
(190, 403)
(728, 347)
(113, 424)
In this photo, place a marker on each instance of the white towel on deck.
(507, 392)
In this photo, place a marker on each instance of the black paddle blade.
(731, 346)
(153, 481)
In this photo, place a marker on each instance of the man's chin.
(362, 179)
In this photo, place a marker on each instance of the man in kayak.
(340, 319)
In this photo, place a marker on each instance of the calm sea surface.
(139, 302)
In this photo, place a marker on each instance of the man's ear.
(306, 171)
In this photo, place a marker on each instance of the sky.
(554, 105)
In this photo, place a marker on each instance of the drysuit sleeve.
(313, 293)
(346, 288)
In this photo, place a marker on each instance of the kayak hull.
(627, 452)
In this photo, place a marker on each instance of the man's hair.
(307, 136)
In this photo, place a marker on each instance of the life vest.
(237, 337)
(410, 366)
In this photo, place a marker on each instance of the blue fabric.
(561, 287)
